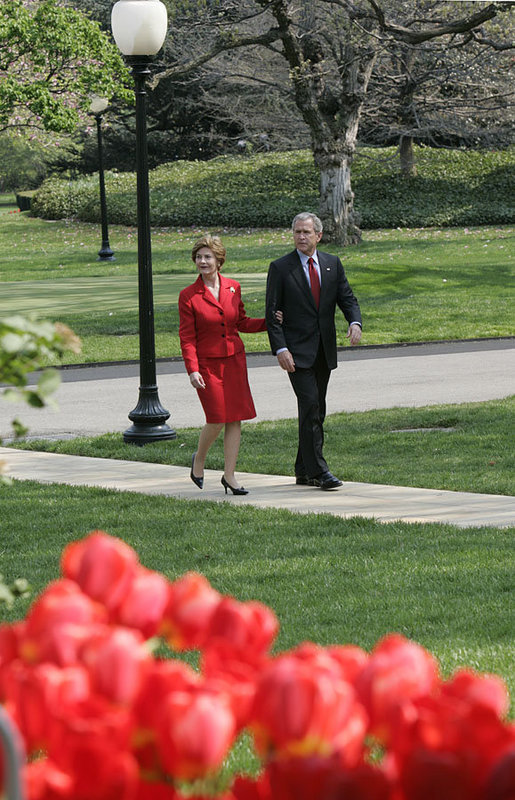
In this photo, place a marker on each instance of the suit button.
(223, 335)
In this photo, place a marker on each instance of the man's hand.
(354, 334)
(286, 361)
(197, 381)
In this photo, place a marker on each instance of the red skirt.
(227, 396)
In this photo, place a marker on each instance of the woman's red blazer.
(209, 328)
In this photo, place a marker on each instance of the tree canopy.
(52, 58)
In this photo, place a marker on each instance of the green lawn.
(329, 580)
(413, 285)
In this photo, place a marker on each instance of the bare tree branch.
(463, 25)
(223, 44)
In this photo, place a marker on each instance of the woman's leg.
(232, 438)
(208, 435)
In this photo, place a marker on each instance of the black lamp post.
(97, 107)
(139, 29)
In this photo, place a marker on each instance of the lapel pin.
(232, 289)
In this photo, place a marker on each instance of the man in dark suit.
(307, 285)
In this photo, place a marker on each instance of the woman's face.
(206, 262)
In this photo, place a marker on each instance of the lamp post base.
(106, 255)
(141, 433)
(149, 420)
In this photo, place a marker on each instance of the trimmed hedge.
(24, 200)
(453, 187)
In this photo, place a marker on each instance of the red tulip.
(345, 662)
(299, 710)
(316, 778)
(103, 566)
(482, 689)
(191, 602)
(45, 781)
(116, 662)
(144, 604)
(500, 784)
(243, 630)
(57, 624)
(430, 775)
(92, 745)
(451, 743)
(195, 733)
(156, 790)
(352, 660)
(162, 678)
(245, 788)
(237, 679)
(37, 694)
(397, 672)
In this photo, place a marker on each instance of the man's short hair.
(317, 222)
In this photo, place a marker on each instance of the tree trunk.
(408, 115)
(341, 222)
(407, 157)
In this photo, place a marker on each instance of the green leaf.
(34, 399)
(19, 429)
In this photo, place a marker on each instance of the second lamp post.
(97, 107)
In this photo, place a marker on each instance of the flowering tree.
(101, 717)
(52, 58)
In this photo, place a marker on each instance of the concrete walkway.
(95, 400)
(383, 503)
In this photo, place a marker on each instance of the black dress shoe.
(327, 481)
(303, 480)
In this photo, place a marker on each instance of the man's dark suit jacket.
(304, 326)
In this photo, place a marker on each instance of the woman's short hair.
(317, 222)
(215, 245)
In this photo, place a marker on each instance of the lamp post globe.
(139, 29)
(97, 107)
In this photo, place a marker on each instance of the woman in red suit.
(211, 313)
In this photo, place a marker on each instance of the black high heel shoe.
(197, 481)
(234, 489)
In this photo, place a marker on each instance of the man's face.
(305, 237)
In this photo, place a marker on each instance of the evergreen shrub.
(452, 187)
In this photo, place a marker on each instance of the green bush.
(453, 187)
(24, 200)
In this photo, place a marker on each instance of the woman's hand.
(279, 317)
(197, 381)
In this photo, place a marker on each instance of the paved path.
(383, 503)
(95, 400)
